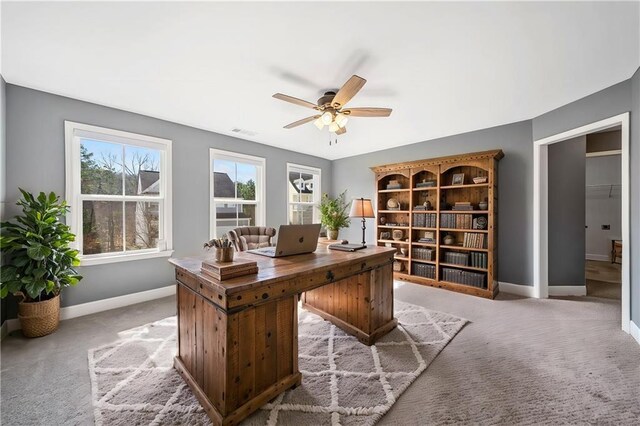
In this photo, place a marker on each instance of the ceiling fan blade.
(348, 91)
(341, 131)
(301, 122)
(368, 112)
(296, 101)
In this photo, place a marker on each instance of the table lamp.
(362, 207)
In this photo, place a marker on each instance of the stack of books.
(424, 270)
(474, 240)
(474, 279)
(456, 258)
(394, 184)
(426, 184)
(227, 270)
(463, 205)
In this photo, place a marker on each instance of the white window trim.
(293, 167)
(73, 132)
(261, 198)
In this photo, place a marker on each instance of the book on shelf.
(458, 276)
(424, 254)
(424, 270)
(474, 240)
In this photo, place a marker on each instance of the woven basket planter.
(39, 318)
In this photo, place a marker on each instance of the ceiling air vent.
(243, 132)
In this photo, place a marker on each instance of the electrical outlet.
(606, 227)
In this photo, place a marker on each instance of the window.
(118, 188)
(237, 191)
(303, 194)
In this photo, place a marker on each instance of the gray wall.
(35, 155)
(3, 171)
(635, 198)
(603, 205)
(567, 211)
(614, 100)
(515, 188)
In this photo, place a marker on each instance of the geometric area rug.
(343, 381)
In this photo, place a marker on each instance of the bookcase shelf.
(440, 199)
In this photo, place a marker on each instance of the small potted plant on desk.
(333, 214)
(38, 262)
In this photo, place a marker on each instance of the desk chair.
(251, 237)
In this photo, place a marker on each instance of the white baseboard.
(88, 308)
(599, 257)
(520, 290)
(567, 290)
(634, 331)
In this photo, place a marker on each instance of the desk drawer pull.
(330, 276)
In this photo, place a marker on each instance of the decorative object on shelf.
(383, 220)
(388, 245)
(480, 223)
(385, 235)
(404, 251)
(429, 237)
(398, 234)
(449, 240)
(362, 208)
(398, 266)
(458, 179)
(483, 205)
(333, 214)
(427, 205)
(480, 179)
(393, 204)
(426, 184)
(38, 262)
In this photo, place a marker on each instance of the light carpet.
(344, 382)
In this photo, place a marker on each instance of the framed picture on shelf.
(458, 179)
(429, 237)
(385, 235)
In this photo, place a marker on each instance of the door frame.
(541, 208)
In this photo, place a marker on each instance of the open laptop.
(292, 239)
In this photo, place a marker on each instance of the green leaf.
(8, 273)
(38, 252)
(39, 272)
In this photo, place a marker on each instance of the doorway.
(603, 214)
(541, 208)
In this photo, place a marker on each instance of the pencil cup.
(224, 254)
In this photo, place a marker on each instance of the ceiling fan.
(330, 107)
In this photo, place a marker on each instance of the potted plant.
(333, 214)
(38, 261)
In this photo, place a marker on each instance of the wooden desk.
(238, 339)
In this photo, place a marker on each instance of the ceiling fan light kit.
(330, 107)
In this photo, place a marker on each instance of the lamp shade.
(361, 207)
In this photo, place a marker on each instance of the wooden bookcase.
(406, 213)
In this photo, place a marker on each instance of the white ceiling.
(445, 68)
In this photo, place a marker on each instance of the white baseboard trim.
(567, 290)
(599, 257)
(520, 290)
(88, 308)
(634, 331)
